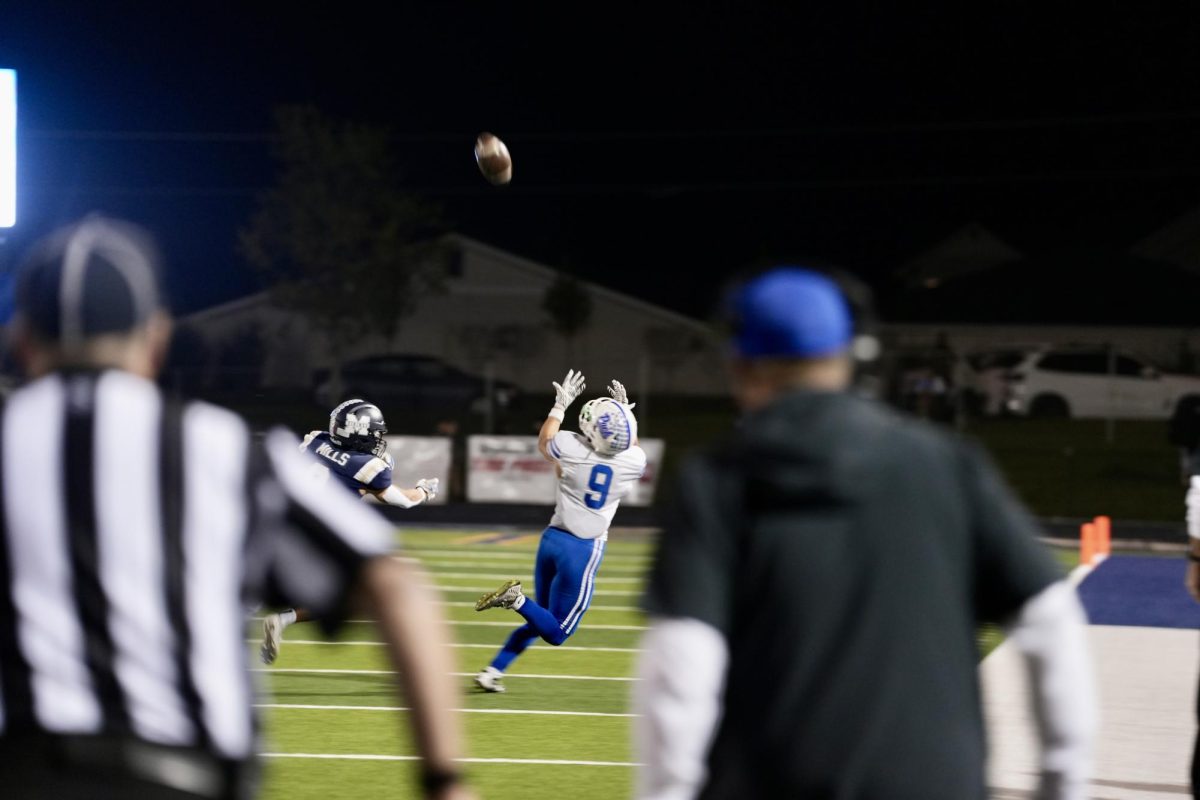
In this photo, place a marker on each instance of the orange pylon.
(1103, 536)
(1087, 543)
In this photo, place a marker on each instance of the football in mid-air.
(492, 156)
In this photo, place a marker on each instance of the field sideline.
(333, 724)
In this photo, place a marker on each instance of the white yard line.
(590, 608)
(514, 623)
(531, 761)
(500, 576)
(597, 593)
(456, 644)
(492, 565)
(515, 711)
(507, 675)
(526, 556)
(565, 647)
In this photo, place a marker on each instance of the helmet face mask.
(359, 426)
(609, 427)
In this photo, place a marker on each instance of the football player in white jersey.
(596, 468)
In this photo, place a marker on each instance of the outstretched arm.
(564, 394)
(425, 490)
(549, 428)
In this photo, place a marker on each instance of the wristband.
(557, 413)
(435, 780)
(1193, 557)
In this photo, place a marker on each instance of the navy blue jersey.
(358, 471)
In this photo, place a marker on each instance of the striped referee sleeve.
(325, 536)
(16, 691)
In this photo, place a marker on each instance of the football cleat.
(490, 679)
(272, 638)
(504, 597)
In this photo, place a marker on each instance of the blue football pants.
(564, 578)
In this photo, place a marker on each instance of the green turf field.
(330, 723)
(563, 705)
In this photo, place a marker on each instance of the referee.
(817, 590)
(134, 533)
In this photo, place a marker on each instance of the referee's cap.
(789, 312)
(96, 276)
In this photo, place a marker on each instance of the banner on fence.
(420, 457)
(509, 469)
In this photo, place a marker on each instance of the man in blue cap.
(819, 582)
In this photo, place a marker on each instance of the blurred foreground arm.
(1051, 633)
(415, 632)
(1018, 582)
(1193, 529)
(681, 674)
(685, 657)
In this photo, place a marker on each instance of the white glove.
(566, 392)
(429, 486)
(617, 390)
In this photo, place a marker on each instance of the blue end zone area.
(1141, 591)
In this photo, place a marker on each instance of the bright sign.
(8, 148)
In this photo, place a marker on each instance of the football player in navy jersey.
(352, 452)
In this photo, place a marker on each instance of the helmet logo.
(606, 426)
(356, 425)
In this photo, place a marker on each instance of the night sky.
(655, 151)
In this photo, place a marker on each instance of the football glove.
(617, 391)
(566, 392)
(429, 486)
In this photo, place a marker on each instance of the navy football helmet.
(358, 425)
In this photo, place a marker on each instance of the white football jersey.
(592, 484)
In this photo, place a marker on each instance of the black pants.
(101, 768)
(1196, 755)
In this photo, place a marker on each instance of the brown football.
(493, 158)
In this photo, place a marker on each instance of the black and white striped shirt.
(134, 533)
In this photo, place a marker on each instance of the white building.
(490, 316)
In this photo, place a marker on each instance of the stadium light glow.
(8, 148)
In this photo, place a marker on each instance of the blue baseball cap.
(790, 312)
(94, 277)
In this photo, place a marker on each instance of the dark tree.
(569, 307)
(337, 238)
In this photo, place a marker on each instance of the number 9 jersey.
(591, 485)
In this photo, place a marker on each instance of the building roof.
(1079, 288)
(1177, 242)
(540, 272)
(970, 249)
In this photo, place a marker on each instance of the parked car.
(416, 383)
(1094, 382)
